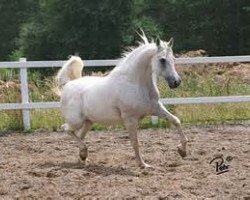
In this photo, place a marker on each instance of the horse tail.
(71, 70)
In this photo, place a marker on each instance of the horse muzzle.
(173, 82)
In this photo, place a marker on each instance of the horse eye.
(163, 60)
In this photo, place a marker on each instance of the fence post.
(24, 94)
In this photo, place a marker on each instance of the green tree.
(12, 14)
(220, 27)
(96, 29)
(93, 29)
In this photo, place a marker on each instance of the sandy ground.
(45, 165)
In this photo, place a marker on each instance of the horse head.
(163, 63)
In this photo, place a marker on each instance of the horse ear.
(171, 42)
(158, 42)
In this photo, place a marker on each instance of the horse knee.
(66, 127)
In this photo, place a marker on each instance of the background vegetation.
(201, 80)
(101, 29)
(54, 29)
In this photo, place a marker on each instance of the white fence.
(25, 105)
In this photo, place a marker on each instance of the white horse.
(126, 95)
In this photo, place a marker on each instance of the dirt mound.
(239, 71)
(44, 166)
(194, 53)
(221, 72)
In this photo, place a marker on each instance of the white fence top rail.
(165, 101)
(103, 63)
(221, 59)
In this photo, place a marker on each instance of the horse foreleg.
(161, 111)
(131, 125)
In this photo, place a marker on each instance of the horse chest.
(135, 102)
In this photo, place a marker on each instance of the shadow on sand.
(99, 169)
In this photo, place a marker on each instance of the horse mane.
(144, 41)
(125, 65)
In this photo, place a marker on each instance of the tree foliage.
(13, 14)
(220, 27)
(92, 29)
(99, 29)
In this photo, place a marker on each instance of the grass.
(195, 84)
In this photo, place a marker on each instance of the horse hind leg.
(83, 150)
(85, 128)
(72, 132)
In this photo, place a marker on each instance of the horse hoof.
(182, 152)
(81, 163)
(83, 153)
(144, 165)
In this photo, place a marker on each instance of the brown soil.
(44, 165)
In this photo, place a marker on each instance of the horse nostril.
(177, 82)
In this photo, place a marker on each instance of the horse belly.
(101, 109)
(103, 115)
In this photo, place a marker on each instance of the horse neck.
(137, 65)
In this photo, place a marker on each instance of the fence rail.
(104, 63)
(25, 105)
